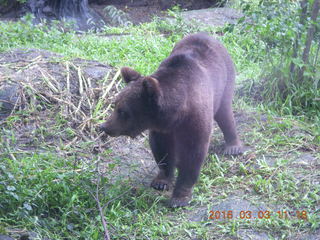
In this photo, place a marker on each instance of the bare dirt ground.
(140, 14)
(136, 15)
(144, 11)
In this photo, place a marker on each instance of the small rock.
(97, 72)
(252, 234)
(8, 99)
(140, 3)
(47, 9)
(165, 4)
(213, 16)
(198, 214)
(305, 159)
(309, 236)
(270, 161)
(29, 236)
(4, 237)
(264, 117)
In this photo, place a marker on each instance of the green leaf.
(27, 206)
(11, 188)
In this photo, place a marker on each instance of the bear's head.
(136, 106)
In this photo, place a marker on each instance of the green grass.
(128, 46)
(51, 191)
(42, 190)
(143, 44)
(127, 51)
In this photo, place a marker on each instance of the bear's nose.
(103, 127)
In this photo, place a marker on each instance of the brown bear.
(177, 104)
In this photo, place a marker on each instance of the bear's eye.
(122, 114)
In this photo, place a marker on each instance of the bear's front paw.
(234, 150)
(179, 201)
(160, 184)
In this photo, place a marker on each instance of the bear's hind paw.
(179, 201)
(234, 150)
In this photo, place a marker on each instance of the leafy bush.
(276, 37)
(117, 16)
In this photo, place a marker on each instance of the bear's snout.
(109, 129)
(103, 127)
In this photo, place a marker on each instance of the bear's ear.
(151, 89)
(128, 74)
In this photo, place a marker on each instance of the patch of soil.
(45, 89)
(163, 4)
(46, 74)
(39, 88)
(135, 159)
(136, 15)
(144, 11)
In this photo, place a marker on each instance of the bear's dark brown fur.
(177, 104)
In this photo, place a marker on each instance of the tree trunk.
(310, 34)
(303, 17)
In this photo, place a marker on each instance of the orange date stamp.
(251, 215)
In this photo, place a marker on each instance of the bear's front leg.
(162, 146)
(191, 151)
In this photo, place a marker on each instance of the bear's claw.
(234, 150)
(160, 184)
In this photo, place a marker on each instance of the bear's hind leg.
(163, 152)
(226, 122)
